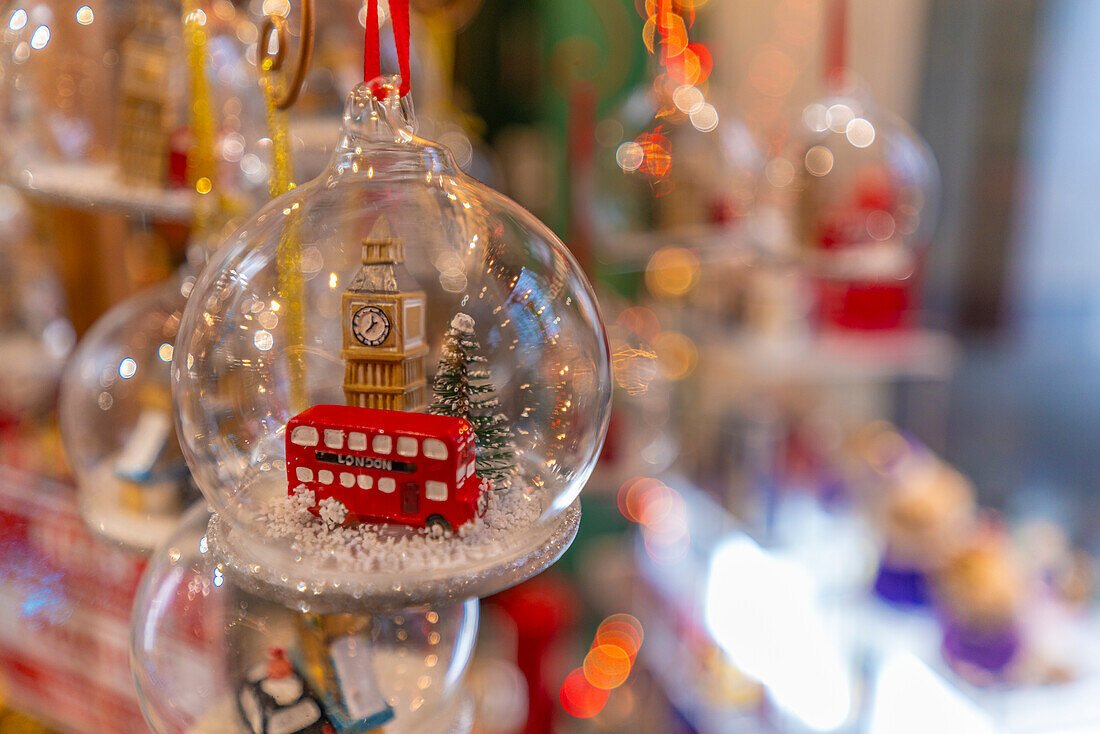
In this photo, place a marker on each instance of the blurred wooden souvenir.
(145, 119)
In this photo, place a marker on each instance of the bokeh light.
(607, 666)
(580, 698)
(672, 272)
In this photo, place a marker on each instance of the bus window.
(324, 476)
(406, 446)
(334, 438)
(347, 478)
(386, 484)
(470, 469)
(304, 436)
(436, 491)
(357, 441)
(365, 482)
(460, 473)
(435, 449)
(304, 474)
(382, 444)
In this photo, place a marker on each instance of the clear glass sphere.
(266, 335)
(854, 193)
(209, 657)
(669, 160)
(117, 426)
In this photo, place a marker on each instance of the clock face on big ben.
(370, 325)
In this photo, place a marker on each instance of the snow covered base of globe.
(375, 547)
(293, 557)
(137, 516)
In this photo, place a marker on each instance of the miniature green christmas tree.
(462, 389)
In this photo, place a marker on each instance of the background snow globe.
(97, 102)
(210, 657)
(852, 199)
(670, 160)
(354, 289)
(116, 419)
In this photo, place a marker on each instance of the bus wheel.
(437, 526)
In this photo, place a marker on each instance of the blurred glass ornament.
(853, 197)
(97, 102)
(668, 160)
(211, 657)
(262, 340)
(116, 418)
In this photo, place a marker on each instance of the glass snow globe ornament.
(211, 657)
(117, 426)
(853, 198)
(669, 160)
(98, 100)
(391, 281)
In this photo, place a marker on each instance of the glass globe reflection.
(116, 419)
(209, 656)
(267, 333)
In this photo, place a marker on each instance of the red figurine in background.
(385, 466)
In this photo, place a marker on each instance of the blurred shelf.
(87, 186)
(831, 357)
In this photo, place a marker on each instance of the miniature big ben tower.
(146, 109)
(384, 346)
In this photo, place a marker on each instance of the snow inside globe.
(209, 657)
(392, 383)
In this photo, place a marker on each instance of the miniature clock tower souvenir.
(384, 346)
(144, 120)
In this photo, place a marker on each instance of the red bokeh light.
(580, 698)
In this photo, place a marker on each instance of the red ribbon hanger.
(372, 63)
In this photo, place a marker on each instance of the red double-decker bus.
(387, 465)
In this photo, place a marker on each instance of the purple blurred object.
(989, 649)
(902, 586)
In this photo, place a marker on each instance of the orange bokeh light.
(692, 66)
(622, 630)
(580, 698)
(630, 496)
(657, 151)
(607, 666)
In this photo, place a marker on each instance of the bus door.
(410, 498)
